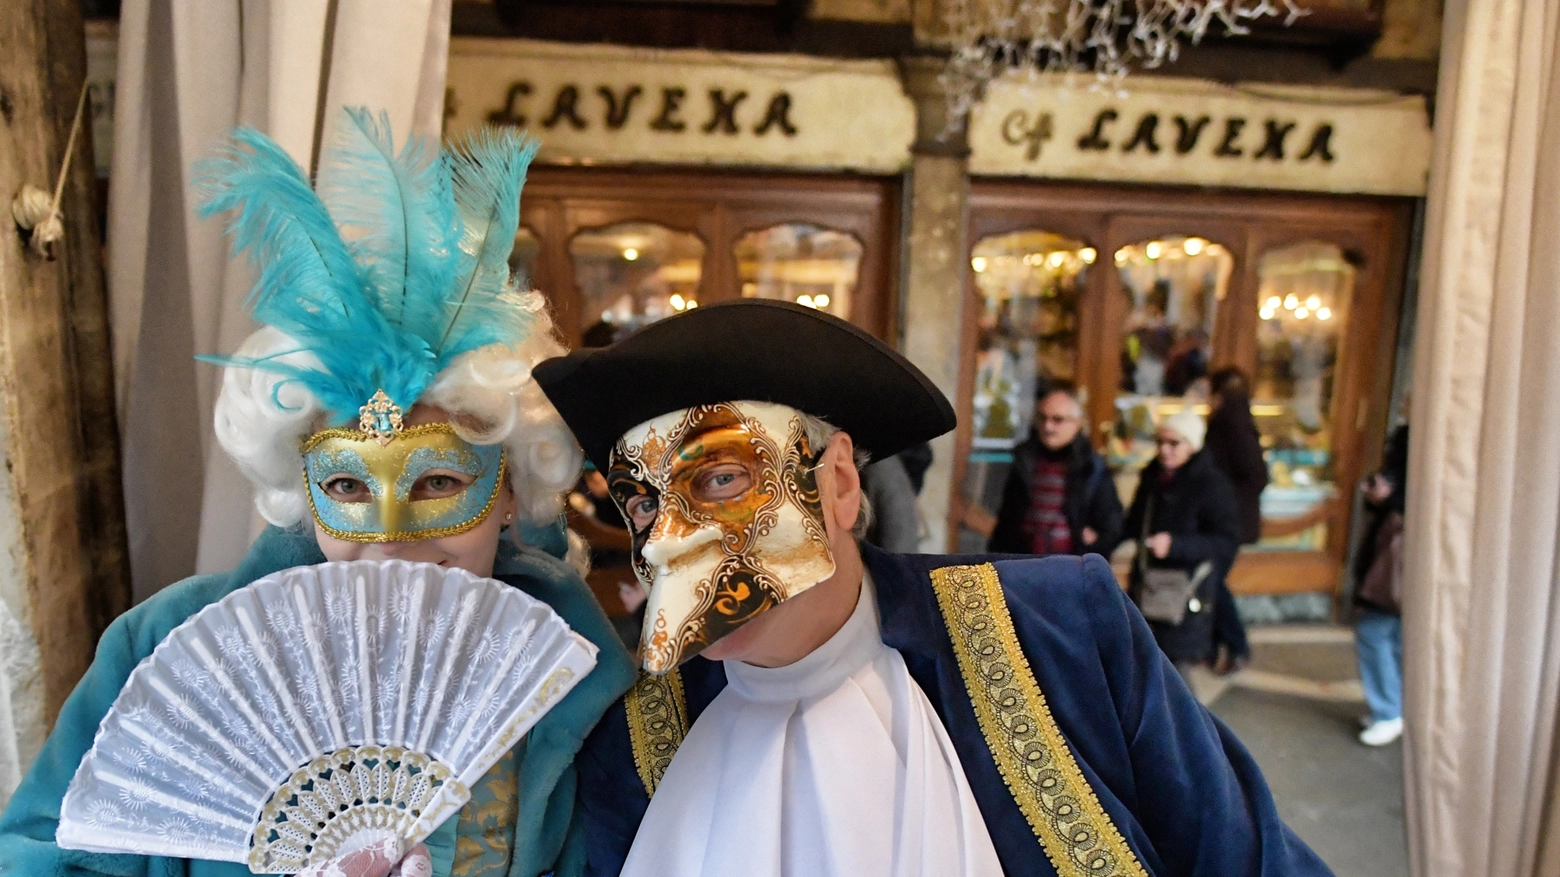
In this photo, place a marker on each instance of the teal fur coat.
(542, 841)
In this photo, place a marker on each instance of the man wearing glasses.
(1059, 497)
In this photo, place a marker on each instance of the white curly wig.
(261, 417)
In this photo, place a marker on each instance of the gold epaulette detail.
(1030, 751)
(657, 724)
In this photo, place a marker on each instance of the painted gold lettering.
(618, 108)
(1273, 139)
(723, 112)
(1187, 133)
(1144, 135)
(1095, 141)
(566, 108)
(1320, 145)
(1229, 147)
(510, 114)
(1016, 130)
(778, 114)
(671, 102)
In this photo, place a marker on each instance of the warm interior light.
(805, 300)
(692, 304)
(1291, 302)
(677, 302)
(1056, 259)
(1193, 246)
(1324, 313)
(1154, 249)
(1088, 255)
(1273, 303)
(1301, 313)
(630, 254)
(821, 300)
(978, 263)
(1266, 313)
(1313, 302)
(1121, 256)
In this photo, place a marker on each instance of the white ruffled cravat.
(834, 765)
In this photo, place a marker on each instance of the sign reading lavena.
(1192, 132)
(610, 105)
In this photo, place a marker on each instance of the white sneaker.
(1383, 732)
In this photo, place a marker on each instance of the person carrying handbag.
(1378, 577)
(1188, 529)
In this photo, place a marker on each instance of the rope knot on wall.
(37, 214)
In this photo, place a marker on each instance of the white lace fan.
(317, 711)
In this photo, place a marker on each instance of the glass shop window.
(1173, 286)
(1030, 284)
(632, 274)
(812, 266)
(522, 259)
(1303, 298)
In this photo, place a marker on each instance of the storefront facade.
(1124, 240)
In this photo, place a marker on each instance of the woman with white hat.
(1188, 529)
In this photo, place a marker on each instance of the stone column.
(932, 303)
(63, 575)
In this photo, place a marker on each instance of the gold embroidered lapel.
(657, 724)
(1030, 751)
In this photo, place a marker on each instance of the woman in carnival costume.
(395, 351)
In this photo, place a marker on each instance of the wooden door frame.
(719, 206)
(1108, 217)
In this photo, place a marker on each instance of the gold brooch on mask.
(380, 419)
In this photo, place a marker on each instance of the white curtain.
(189, 71)
(1482, 608)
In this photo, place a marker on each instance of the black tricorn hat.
(747, 350)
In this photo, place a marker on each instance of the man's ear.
(841, 488)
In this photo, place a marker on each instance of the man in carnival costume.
(385, 410)
(814, 706)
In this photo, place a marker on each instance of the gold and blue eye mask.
(403, 490)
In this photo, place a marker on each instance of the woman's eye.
(438, 485)
(346, 490)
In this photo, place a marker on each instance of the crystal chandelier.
(988, 38)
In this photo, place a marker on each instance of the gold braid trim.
(657, 724)
(1030, 751)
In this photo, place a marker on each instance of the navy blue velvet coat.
(1182, 790)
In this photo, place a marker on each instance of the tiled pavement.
(1297, 709)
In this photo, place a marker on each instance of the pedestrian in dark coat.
(1193, 520)
(1041, 513)
(1234, 445)
(1378, 570)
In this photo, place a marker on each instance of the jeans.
(1378, 640)
(1228, 628)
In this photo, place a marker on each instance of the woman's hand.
(383, 859)
(1159, 545)
(1378, 489)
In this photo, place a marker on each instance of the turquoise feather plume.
(405, 270)
(489, 170)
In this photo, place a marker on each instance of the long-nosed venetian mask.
(727, 522)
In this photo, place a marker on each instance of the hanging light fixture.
(988, 38)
